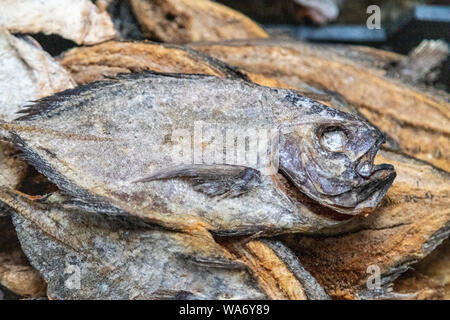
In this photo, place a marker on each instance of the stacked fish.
(165, 171)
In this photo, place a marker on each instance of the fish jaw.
(367, 196)
(361, 200)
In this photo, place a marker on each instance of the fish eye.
(333, 139)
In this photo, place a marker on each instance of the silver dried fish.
(93, 256)
(115, 146)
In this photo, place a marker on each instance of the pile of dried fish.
(239, 170)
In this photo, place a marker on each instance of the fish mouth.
(367, 195)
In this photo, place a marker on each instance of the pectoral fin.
(213, 180)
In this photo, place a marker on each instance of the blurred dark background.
(296, 11)
(404, 23)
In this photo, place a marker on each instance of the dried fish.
(184, 21)
(210, 185)
(277, 269)
(418, 119)
(77, 20)
(28, 73)
(98, 62)
(86, 255)
(108, 59)
(413, 220)
(87, 64)
(96, 141)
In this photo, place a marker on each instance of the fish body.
(85, 255)
(183, 150)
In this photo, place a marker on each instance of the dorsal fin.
(47, 105)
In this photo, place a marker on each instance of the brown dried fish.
(87, 64)
(85, 255)
(77, 20)
(184, 21)
(277, 269)
(96, 141)
(418, 119)
(413, 220)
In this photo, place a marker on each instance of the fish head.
(331, 159)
